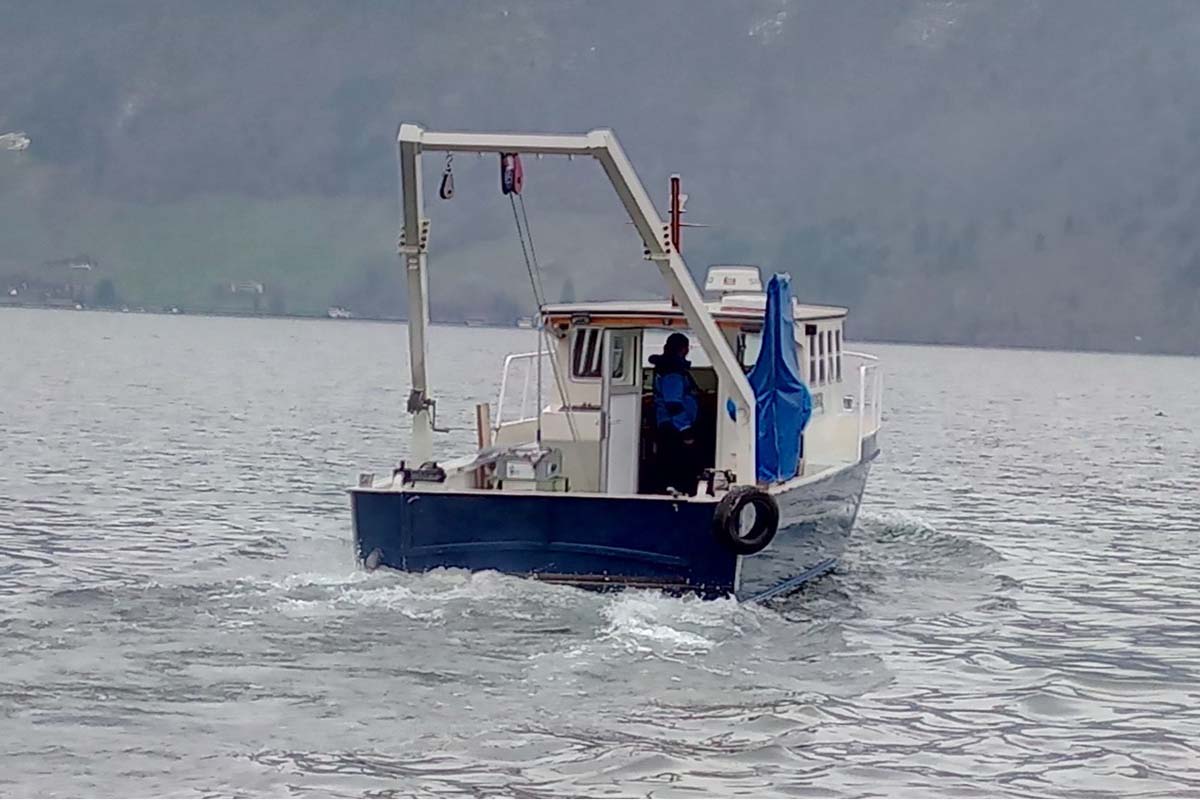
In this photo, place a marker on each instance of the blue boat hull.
(595, 540)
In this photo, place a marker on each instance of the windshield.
(747, 347)
(654, 339)
(751, 344)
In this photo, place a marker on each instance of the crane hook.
(446, 190)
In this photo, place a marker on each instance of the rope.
(539, 296)
(530, 263)
(537, 270)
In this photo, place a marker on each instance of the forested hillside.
(1008, 172)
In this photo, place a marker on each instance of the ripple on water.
(182, 614)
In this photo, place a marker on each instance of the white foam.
(646, 621)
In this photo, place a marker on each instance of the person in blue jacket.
(675, 409)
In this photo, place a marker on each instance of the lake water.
(181, 614)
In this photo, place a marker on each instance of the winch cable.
(530, 261)
(531, 268)
(540, 290)
(529, 253)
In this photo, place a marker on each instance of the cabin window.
(749, 346)
(653, 340)
(618, 358)
(624, 357)
(821, 358)
(812, 357)
(837, 342)
(829, 354)
(586, 353)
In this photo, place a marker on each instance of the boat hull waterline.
(603, 541)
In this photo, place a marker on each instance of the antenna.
(677, 201)
(675, 229)
(677, 210)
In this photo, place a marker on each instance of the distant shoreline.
(496, 325)
(166, 312)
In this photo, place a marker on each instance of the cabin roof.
(732, 307)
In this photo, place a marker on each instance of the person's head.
(676, 345)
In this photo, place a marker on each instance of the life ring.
(730, 526)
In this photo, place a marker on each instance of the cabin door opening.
(621, 410)
(653, 464)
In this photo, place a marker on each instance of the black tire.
(727, 520)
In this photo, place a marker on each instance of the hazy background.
(1008, 172)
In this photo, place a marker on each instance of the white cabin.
(602, 420)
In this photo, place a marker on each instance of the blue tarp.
(783, 403)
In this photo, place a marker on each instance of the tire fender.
(727, 520)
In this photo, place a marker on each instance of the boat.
(17, 141)
(337, 312)
(565, 483)
(525, 323)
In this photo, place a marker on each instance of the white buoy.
(372, 561)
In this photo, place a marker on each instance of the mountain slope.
(1013, 172)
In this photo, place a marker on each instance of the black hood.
(666, 364)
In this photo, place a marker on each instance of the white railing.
(870, 395)
(528, 380)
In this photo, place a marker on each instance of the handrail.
(508, 362)
(862, 403)
(868, 372)
(879, 400)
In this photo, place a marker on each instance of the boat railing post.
(503, 390)
(510, 362)
(525, 393)
(538, 410)
(606, 335)
(878, 398)
(862, 401)
(875, 398)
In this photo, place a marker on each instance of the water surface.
(180, 612)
